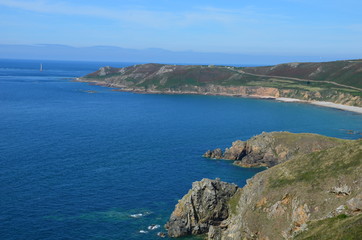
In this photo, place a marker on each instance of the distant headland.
(331, 84)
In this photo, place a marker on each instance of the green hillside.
(338, 82)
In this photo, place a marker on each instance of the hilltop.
(337, 82)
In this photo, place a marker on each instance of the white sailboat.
(41, 67)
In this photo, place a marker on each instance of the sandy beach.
(324, 104)
(338, 106)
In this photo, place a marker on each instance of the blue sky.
(293, 27)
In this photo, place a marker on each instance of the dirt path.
(300, 80)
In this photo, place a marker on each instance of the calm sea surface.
(78, 165)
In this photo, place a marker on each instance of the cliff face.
(283, 201)
(269, 149)
(311, 195)
(221, 80)
(203, 206)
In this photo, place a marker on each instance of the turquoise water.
(77, 165)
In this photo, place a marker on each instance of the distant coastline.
(328, 84)
(281, 99)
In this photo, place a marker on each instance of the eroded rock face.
(270, 149)
(203, 206)
(283, 201)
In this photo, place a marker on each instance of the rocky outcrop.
(203, 206)
(300, 198)
(269, 149)
(215, 154)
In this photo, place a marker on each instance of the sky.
(284, 27)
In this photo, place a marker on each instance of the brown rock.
(203, 206)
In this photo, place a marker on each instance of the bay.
(84, 162)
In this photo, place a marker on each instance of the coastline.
(324, 104)
(281, 99)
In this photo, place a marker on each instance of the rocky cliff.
(231, 81)
(269, 149)
(316, 195)
(203, 206)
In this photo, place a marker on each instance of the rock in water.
(161, 234)
(215, 154)
(205, 205)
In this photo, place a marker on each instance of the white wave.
(137, 215)
(153, 227)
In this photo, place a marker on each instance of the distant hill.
(119, 54)
(337, 82)
(347, 72)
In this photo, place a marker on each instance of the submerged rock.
(161, 234)
(203, 206)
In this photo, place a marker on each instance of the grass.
(341, 227)
(233, 202)
(344, 72)
(187, 77)
(320, 165)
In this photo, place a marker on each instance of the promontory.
(315, 193)
(338, 83)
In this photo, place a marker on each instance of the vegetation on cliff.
(337, 82)
(269, 149)
(316, 195)
(342, 72)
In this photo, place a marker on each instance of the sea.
(79, 161)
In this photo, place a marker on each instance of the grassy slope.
(316, 167)
(306, 179)
(341, 227)
(344, 72)
(281, 146)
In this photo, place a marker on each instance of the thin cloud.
(142, 17)
(58, 8)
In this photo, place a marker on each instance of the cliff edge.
(270, 149)
(316, 195)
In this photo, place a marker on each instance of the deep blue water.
(76, 165)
